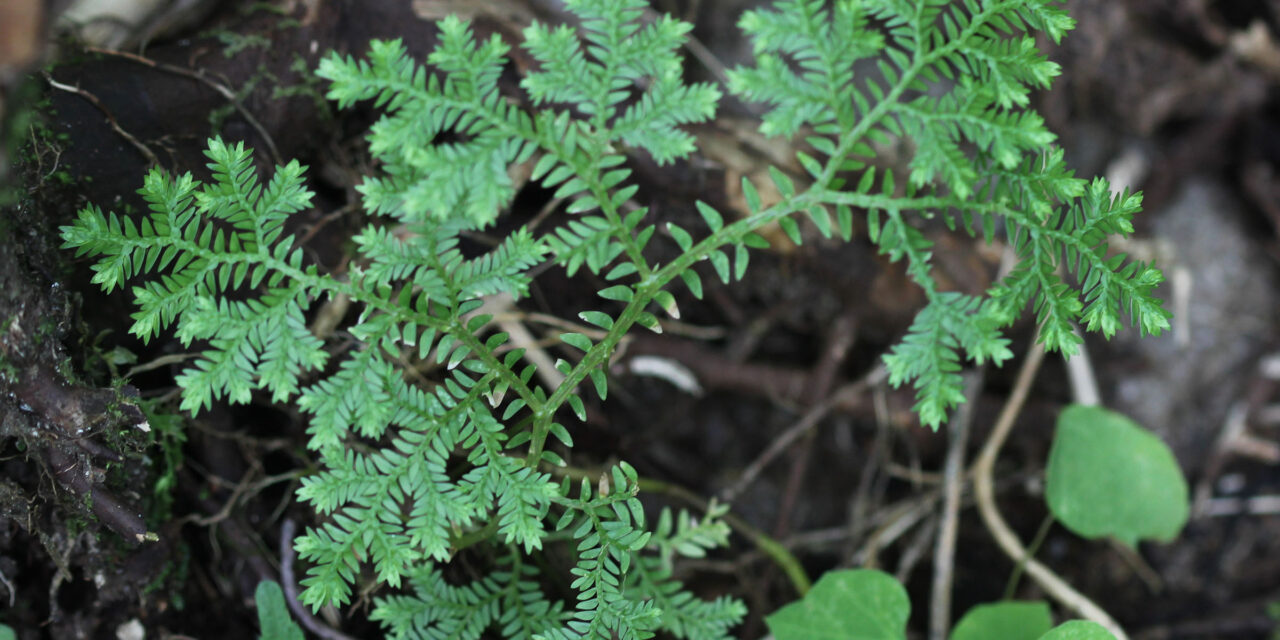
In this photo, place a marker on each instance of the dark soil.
(1178, 98)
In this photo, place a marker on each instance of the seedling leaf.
(273, 615)
(1078, 630)
(1107, 476)
(859, 603)
(1004, 620)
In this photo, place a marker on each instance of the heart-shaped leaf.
(1078, 630)
(1004, 620)
(1109, 476)
(857, 604)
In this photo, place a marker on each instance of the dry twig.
(111, 119)
(952, 487)
(203, 78)
(1054, 586)
(809, 420)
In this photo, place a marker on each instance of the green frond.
(1049, 16)
(897, 238)
(1037, 186)
(954, 80)
(566, 75)
(823, 45)
(650, 578)
(687, 536)
(1057, 308)
(426, 254)
(502, 270)
(929, 355)
(236, 196)
(437, 610)
(526, 612)
(354, 397)
(651, 123)
(397, 505)
(615, 54)
(967, 113)
(257, 343)
(405, 487)
(411, 255)
(1074, 238)
(204, 242)
(523, 495)
(588, 240)
(507, 598)
(430, 435)
(465, 180)
(683, 615)
(1009, 68)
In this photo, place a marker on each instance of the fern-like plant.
(953, 79)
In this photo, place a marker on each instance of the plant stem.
(953, 486)
(1016, 575)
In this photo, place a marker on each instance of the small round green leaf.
(1004, 620)
(859, 603)
(1078, 630)
(1108, 476)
